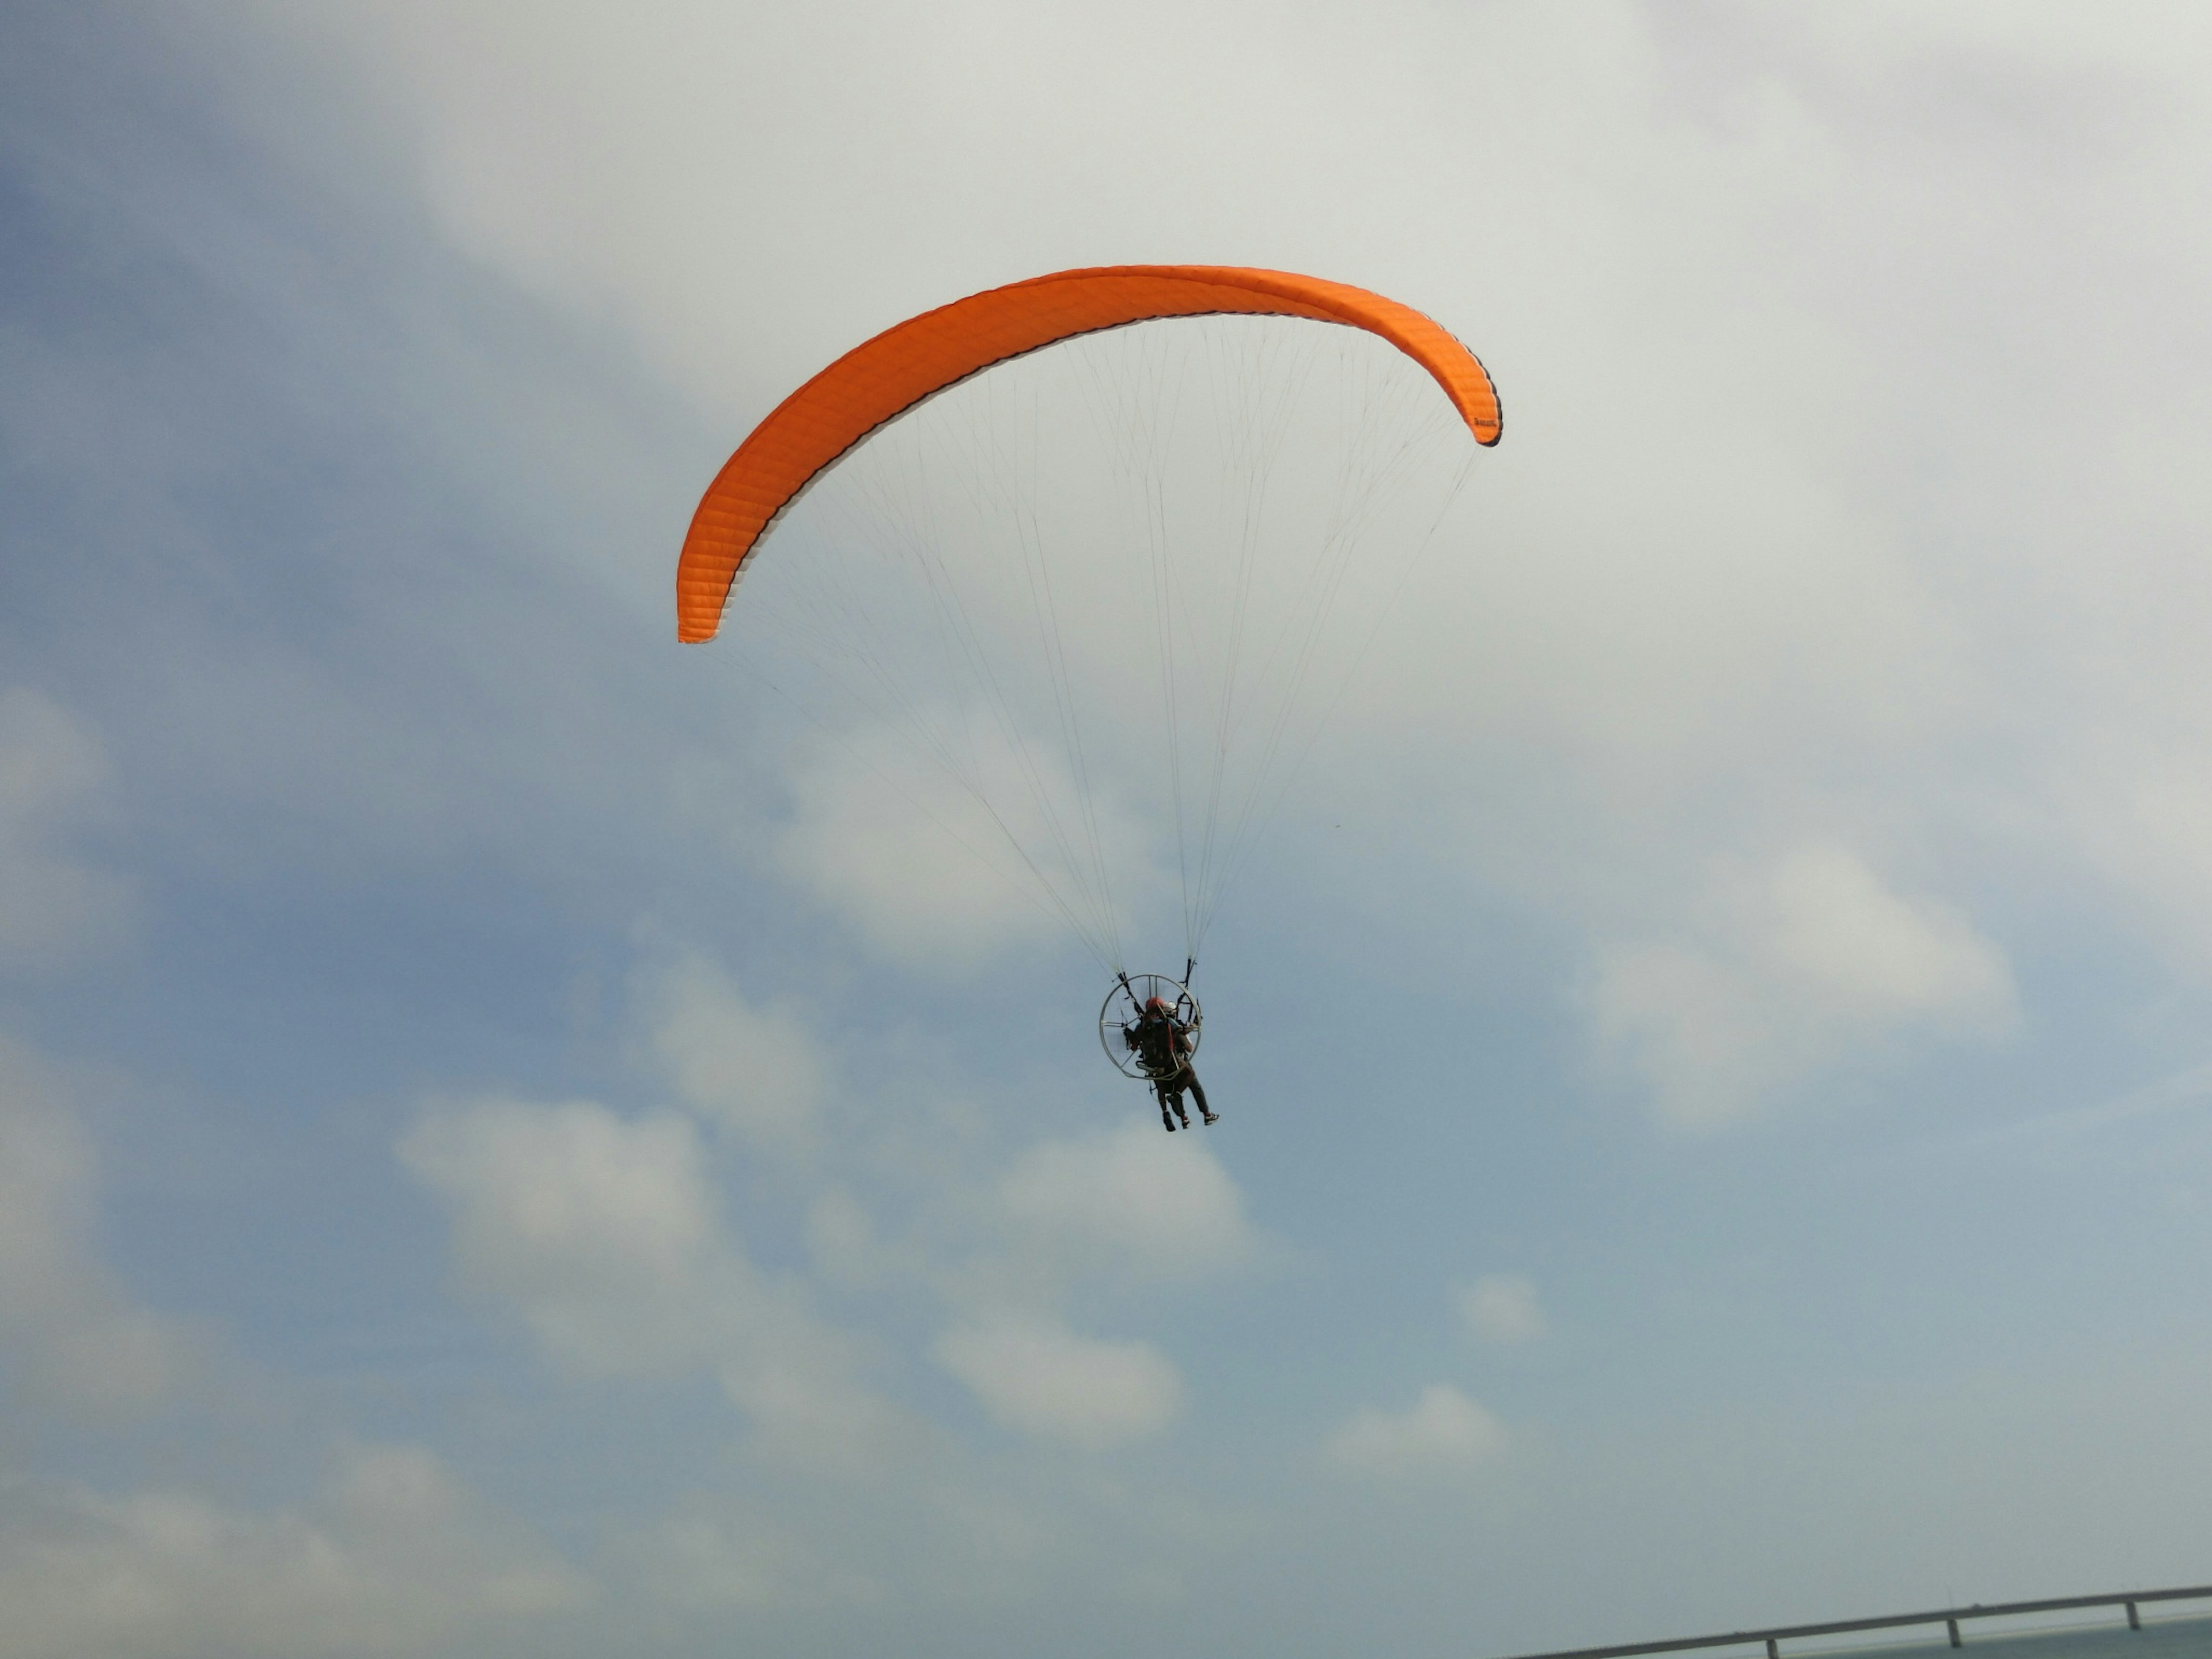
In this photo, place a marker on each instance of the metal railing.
(1950, 1618)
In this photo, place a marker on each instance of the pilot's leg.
(1198, 1092)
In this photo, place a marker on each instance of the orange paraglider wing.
(878, 382)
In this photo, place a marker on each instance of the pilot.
(1162, 1045)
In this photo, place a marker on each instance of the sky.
(504, 1148)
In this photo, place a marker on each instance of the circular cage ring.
(1117, 1019)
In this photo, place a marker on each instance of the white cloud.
(840, 1238)
(55, 909)
(754, 1070)
(77, 1342)
(1503, 1308)
(2142, 803)
(1127, 1206)
(603, 1232)
(794, 1375)
(921, 869)
(606, 1236)
(1443, 1433)
(393, 1556)
(1869, 954)
(701, 1560)
(1035, 1376)
(1808, 963)
(1129, 1201)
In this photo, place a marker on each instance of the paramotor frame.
(1127, 1000)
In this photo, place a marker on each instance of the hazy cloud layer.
(752, 1070)
(391, 1556)
(605, 1235)
(56, 906)
(76, 1343)
(1441, 1435)
(1037, 1377)
(913, 863)
(1128, 1202)
(1794, 968)
(1503, 1308)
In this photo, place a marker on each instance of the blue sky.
(1713, 1050)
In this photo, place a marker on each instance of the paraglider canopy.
(879, 381)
